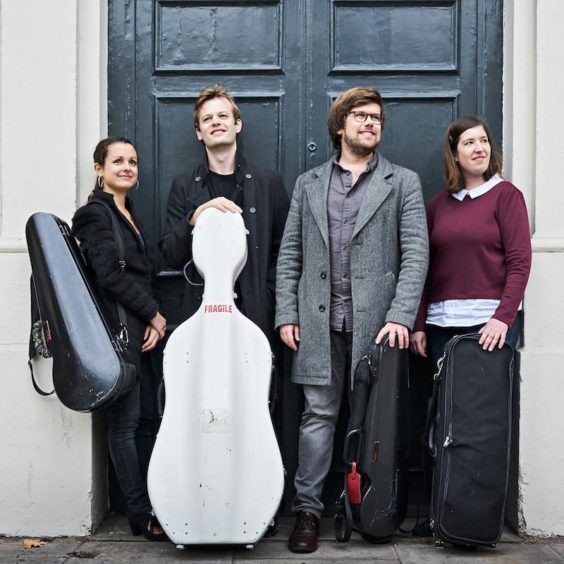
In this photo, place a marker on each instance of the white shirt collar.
(479, 190)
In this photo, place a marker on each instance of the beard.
(358, 147)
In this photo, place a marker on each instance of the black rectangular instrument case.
(469, 436)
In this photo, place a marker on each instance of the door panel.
(285, 61)
(199, 37)
(369, 37)
(164, 52)
(427, 59)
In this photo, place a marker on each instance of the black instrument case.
(89, 367)
(375, 451)
(469, 437)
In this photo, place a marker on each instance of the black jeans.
(122, 419)
(131, 427)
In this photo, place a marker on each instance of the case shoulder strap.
(118, 236)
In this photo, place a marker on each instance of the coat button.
(198, 178)
(321, 308)
(248, 175)
(252, 210)
(324, 275)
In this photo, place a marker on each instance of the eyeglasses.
(361, 117)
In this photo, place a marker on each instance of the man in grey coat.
(352, 265)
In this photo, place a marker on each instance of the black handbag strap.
(118, 236)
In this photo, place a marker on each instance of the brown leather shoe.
(305, 533)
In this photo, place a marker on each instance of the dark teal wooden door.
(285, 60)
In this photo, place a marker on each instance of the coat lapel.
(317, 190)
(376, 192)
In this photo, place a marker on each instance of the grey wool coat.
(388, 263)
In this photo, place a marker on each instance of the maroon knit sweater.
(480, 249)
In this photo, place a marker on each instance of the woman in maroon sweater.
(480, 248)
(480, 251)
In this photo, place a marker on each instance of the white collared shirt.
(479, 190)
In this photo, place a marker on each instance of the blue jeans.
(438, 337)
(317, 429)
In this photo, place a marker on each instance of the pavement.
(113, 543)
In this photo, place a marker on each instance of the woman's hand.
(222, 204)
(159, 324)
(418, 343)
(493, 333)
(150, 339)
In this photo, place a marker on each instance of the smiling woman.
(473, 154)
(480, 252)
(480, 248)
(122, 278)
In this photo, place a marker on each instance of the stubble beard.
(358, 148)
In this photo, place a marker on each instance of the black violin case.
(469, 437)
(374, 501)
(89, 367)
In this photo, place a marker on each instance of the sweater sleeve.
(513, 223)
(93, 228)
(176, 243)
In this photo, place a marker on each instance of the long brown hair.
(453, 174)
(344, 103)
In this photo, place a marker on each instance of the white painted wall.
(52, 112)
(48, 111)
(534, 153)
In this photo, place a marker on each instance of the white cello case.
(216, 473)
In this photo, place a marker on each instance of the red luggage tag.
(353, 485)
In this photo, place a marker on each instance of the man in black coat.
(228, 182)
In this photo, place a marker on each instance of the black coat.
(131, 286)
(265, 207)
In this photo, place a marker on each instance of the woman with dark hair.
(480, 251)
(127, 282)
(480, 248)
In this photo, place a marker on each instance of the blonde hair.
(210, 93)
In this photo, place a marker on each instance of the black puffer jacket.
(131, 286)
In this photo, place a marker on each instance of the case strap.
(343, 517)
(123, 335)
(37, 341)
(35, 385)
(365, 376)
(430, 421)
